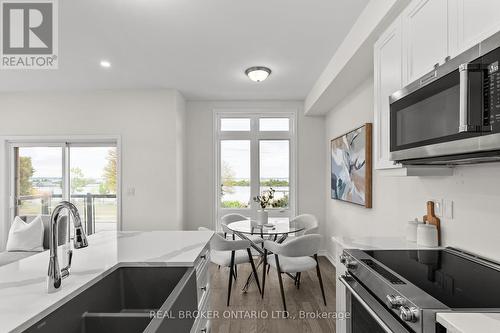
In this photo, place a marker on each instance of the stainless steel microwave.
(452, 114)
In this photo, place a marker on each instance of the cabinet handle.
(204, 330)
(447, 59)
(203, 256)
(204, 288)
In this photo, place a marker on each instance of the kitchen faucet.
(55, 275)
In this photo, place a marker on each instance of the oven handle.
(365, 305)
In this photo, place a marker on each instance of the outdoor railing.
(86, 204)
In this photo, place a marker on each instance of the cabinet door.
(471, 22)
(388, 78)
(425, 31)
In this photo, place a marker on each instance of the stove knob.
(396, 301)
(408, 313)
(349, 263)
(343, 259)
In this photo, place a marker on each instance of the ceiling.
(200, 47)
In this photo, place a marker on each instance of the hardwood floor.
(307, 298)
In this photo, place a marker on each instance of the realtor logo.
(29, 34)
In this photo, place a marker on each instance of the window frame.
(255, 136)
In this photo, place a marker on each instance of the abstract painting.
(351, 174)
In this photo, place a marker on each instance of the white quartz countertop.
(457, 322)
(23, 296)
(377, 243)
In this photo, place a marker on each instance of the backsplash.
(474, 189)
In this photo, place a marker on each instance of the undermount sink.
(122, 302)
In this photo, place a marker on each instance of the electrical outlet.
(448, 209)
(438, 207)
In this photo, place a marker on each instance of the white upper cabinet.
(472, 21)
(388, 76)
(425, 34)
(425, 31)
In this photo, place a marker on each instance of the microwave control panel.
(491, 90)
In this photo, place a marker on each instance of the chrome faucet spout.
(54, 274)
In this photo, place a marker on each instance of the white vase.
(262, 217)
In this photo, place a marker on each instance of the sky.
(47, 161)
(273, 154)
(273, 158)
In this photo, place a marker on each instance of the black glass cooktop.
(453, 280)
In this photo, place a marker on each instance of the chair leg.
(278, 269)
(318, 272)
(264, 272)
(235, 271)
(231, 272)
(254, 270)
(297, 280)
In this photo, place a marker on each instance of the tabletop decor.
(351, 173)
(264, 200)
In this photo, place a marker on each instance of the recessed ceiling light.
(258, 73)
(105, 64)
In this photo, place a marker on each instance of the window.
(274, 124)
(255, 152)
(274, 158)
(85, 174)
(235, 124)
(235, 173)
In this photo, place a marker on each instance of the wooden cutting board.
(431, 218)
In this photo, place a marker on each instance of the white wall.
(151, 126)
(474, 190)
(199, 207)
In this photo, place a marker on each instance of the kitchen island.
(23, 296)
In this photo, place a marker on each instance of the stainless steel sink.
(122, 302)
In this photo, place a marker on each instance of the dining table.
(277, 229)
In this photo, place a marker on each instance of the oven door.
(368, 314)
(429, 117)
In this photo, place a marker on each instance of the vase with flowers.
(264, 201)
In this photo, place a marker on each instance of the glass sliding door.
(38, 183)
(93, 185)
(85, 174)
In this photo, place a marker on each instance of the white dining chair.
(233, 217)
(308, 221)
(293, 257)
(230, 253)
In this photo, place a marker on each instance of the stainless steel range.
(401, 290)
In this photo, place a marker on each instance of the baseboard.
(324, 253)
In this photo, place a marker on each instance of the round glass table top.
(276, 226)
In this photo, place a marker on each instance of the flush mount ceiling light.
(105, 64)
(258, 73)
